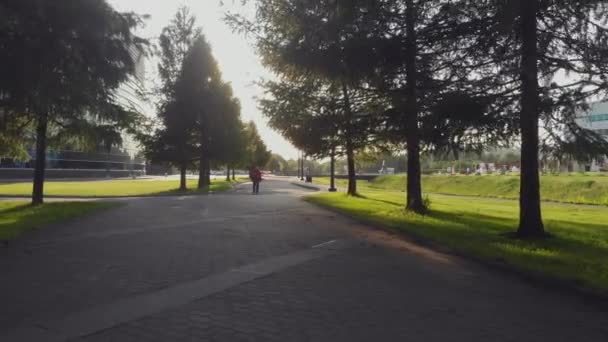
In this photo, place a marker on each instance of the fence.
(76, 164)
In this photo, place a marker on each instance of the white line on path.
(105, 316)
(324, 244)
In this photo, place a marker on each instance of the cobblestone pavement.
(369, 294)
(149, 244)
(360, 291)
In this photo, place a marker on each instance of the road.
(240, 267)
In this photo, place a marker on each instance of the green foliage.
(276, 163)
(355, 74)
(14, 131)
(321, 53)
(174, 43)
(257, 154)
(62, 64)
(200, 116)
(540, 61)
(318, 118)
(575, 45)
(67, 69)
(175, 140)
(225, 130)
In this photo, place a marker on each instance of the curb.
(113, 197)
(594, 296)
(185, 194)
(306, 186)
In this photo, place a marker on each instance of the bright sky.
(235, 54)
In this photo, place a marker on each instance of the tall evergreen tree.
(227, 136)
(257, 153)
(549, 58)
(198, 88)
(174, 43)
(325, 39)
(391, 49)
(175, 140)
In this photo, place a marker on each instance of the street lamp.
(298, 161)
(302, 168)
(332, 172)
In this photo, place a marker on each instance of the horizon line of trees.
(434, 76)
(61, 79)
(199, 123)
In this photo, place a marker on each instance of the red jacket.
(255, 175)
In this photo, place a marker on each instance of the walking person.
(256, 177)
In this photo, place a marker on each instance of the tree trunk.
(227, 173)
(204, 168)
(299, 164)
(40, 166)
(207, 172)
(182, 176)
(233, 174)
(414, 186)
(204, 180)
(201, 173)
(530, 220)
(352, 175)
(332, 171)
(302, 167)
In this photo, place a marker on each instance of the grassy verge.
(112, 188)
(577, 252)
(566, 188)
(18, 217)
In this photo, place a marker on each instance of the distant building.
(130, 96)
(595, 119)
(124, 158)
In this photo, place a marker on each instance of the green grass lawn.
(110, 188)
(17, 217)
(578, 250)
(566, 188)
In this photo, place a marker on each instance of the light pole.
(332, 171)
(299, 162)
(302, 168)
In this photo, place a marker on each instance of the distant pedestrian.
(256, 177)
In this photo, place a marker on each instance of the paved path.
(239, 267)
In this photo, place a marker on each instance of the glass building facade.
(595, 119)
(123, 158)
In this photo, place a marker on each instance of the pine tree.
(175, 141)
(310, 113)
(326, 40)
(195, 90)
(548, 58)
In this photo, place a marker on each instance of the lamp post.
(299, 162)
(302, 167)
(332, 171)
